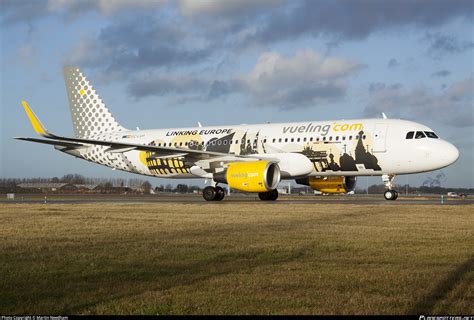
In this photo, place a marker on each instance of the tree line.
(107, 184)
(10, 185)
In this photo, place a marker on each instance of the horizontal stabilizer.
(53, 142)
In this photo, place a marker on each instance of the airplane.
(328, 156)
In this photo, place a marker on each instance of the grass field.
(244, 258)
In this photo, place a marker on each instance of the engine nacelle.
(251, 176)
(330, 184)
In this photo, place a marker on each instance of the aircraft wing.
(118, 146)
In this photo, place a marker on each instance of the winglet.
(35, 122)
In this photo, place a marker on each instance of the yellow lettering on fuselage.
(347, 127)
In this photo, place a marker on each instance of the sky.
(164, 64)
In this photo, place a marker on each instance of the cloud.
(452, 107)
(14, 11)
(19, 11)
(147, 85)
(441, 73)
(393, 63)
(108, 7)
(134, 44)
(442, 44)
(356, 20)
(182, 87)
(301, 80)
(305, 79)
(223, 8)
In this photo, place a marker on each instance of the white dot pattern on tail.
(90, 115)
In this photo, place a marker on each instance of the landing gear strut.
(271, 195)
(390, 194)
(213, 193)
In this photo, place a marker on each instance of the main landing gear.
(213, 193)
(390, 194)
(217, 194)
(271, 195)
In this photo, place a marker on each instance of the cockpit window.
(410, 135)
(419, 135)
(431, 135)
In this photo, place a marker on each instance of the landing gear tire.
(209, 193)
(271, 195)
(213, 193)
(390, 195)
(220, 194)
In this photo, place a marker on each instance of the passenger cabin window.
(410, 135)
(431, 135)
(419, 135)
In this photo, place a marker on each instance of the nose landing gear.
(390, 194)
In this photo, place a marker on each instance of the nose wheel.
(390, 194)
(213, 193)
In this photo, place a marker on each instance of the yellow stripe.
(37, 126)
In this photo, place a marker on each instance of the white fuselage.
(334, 148)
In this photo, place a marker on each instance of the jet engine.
(338, 184)
(251, 176)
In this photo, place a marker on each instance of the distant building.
(87, 187)
(57, 186)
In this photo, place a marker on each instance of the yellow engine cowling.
(251, 176)
(330, 184)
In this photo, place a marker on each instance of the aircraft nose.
(452, 153)
(448, 153)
